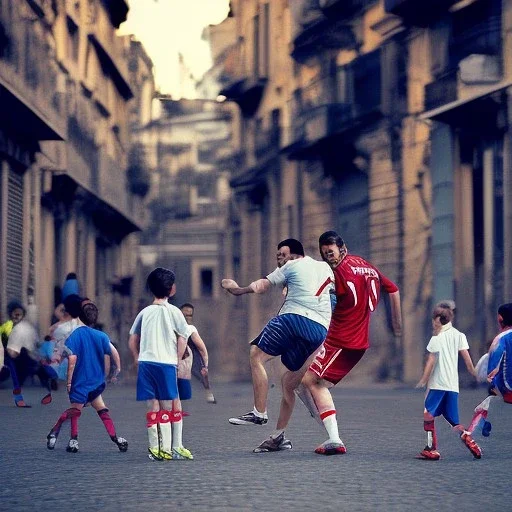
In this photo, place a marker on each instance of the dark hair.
(71, 275)
(73, 305)
(505, 311)
(294, 245)
(444, 313)
(160, 282)
(15, 304)
(187, 305)
(447, 303)
(89, 314)
(330, 238)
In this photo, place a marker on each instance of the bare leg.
(259, 378)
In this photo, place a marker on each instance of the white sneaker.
(72, 446)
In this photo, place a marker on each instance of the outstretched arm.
(467, 360)
(259, 286)
(429, 366)
(396, 313)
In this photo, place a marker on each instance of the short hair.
(444, 313)
(187, 305)
(15, 304)
(330, 238)
(73, 305)
(447, 303)
(160, 282)
(505, 311)
(89, 313)
(294, 245)
(71, 275)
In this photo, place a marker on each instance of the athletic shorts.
(446, 403)
(184, 389)
(293, 337)
(157, 380)
(333, 363)
(83, 395)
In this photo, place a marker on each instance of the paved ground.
(382, 429)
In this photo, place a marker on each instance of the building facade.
(67, 206)
(387, 122)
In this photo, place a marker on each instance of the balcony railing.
(441, 91)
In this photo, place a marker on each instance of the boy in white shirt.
(442, 379)
(157, 342)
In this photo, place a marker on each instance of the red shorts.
(333, 363)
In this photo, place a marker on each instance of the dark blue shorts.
(185, 389)
(157, 380)
(446, 403)
(293, 337)
(82, 395)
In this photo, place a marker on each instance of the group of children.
(441, 377)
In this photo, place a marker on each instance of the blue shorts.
(184, 389)
(293, 337)
(446, 403)
(157, 380)
(82, 395)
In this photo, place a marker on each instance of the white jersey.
(158, 326)
(447, 344)
(23, 335)
(309, 283)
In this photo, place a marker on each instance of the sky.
(169, 27)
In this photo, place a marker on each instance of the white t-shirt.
(60, 335)
(309, 283)
(158, 326)
(446, 345)
(23, 335)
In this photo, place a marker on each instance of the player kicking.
(358, 285)
(295, 333)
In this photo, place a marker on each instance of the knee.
(103, 411)
(309, 380)
(427, 417)
(73, 412)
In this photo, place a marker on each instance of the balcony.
(336, 107)
(320, 35)
(239, 84)
(418, 12)
(31, 103)
(441, 91)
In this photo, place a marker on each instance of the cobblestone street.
(381, 427)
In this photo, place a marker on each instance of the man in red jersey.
(358, 285)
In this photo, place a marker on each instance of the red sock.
(429, 427)
(107, 421)
(67, 414)
(74, 424)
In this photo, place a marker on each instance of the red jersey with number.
(358, 285)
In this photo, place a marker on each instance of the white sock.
(331, 425)
(165, 433)
(276, 433)
(259, 414)
(177, 434)
(153, 436)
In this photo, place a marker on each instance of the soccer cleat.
(331, 448)
(182, 453)
(274, 445)
(159, 455)
(248, 419)
(51, 441)
(471, 445)
(122, 443)
(47, 399)
(428, 454)
(72, 446)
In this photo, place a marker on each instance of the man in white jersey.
(295, 334)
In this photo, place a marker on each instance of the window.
(206, 282)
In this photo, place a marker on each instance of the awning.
(450, 113)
